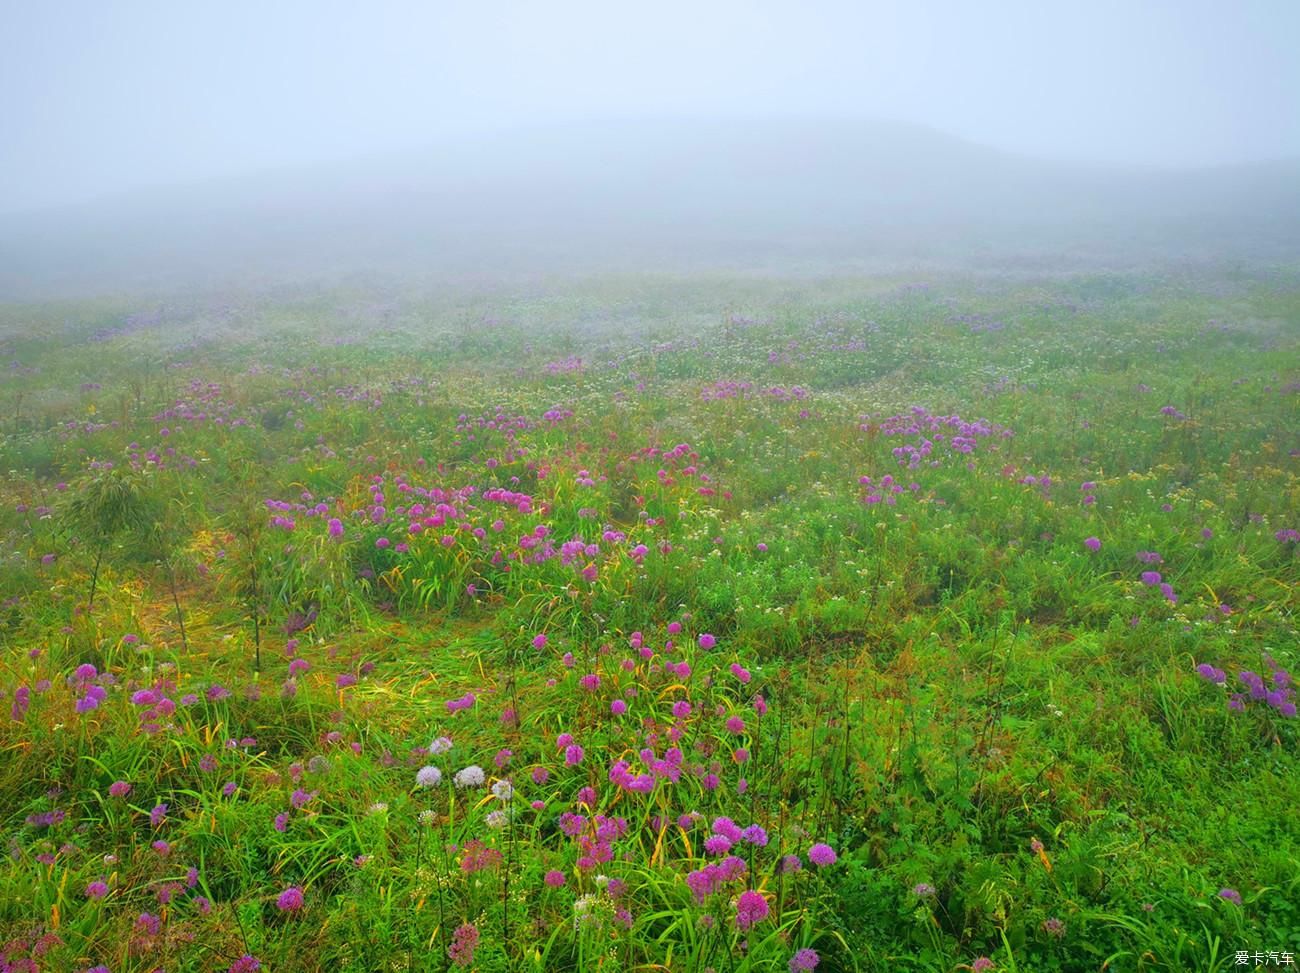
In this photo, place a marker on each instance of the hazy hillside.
(656, 195)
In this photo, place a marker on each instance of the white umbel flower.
(471, 776)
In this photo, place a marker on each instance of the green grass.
(1000, 731)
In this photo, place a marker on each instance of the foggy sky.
(100, 96)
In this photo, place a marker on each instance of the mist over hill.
(660, 195)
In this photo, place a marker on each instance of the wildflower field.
(653, 623)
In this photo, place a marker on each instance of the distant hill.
(660, 195)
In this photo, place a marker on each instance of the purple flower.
(822, 855)
(119, 788)
(158, 815)
(148, 924)
(96, 890)
(717, 844)
(554, 878)
(803, 960)
(707, 641)
(751, 908)
(300, 798)
(1211, 674)
(23, 699)
(463, 942)
(464, 702)
(1231, 895)
(1150, 578)
(335, 528)
(1092, 543)
(245, 964)
(290, 900)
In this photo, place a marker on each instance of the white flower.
(496, 819)
(503, 789)
(471, 776)
(429, 776)
(440, 745)
(379, 807)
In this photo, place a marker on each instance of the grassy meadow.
(674, 624)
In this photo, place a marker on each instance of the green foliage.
(873, 496)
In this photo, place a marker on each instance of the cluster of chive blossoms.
(1278, 691)
(930, 431)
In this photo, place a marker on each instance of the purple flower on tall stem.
(822, 855)
(751, 908)
(463, 942)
